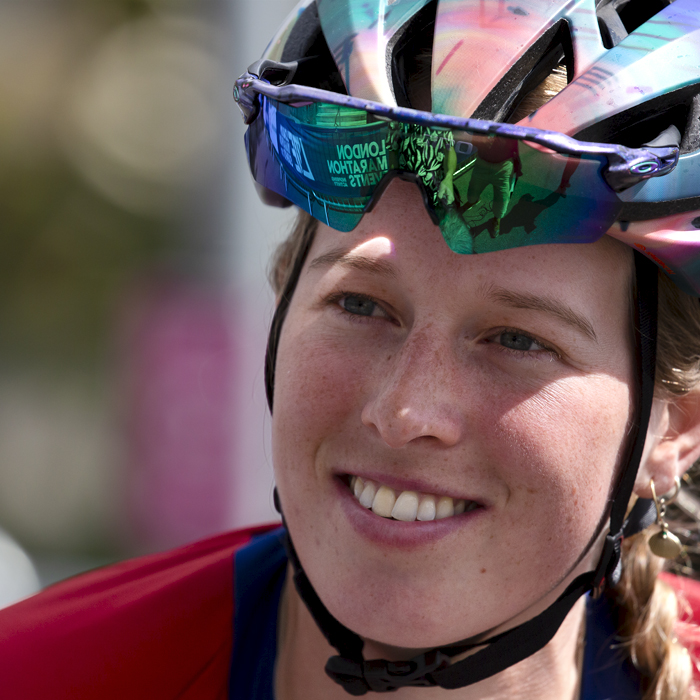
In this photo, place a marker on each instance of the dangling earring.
(664, 544)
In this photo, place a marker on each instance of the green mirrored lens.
(486, 193)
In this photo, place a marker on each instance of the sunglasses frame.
(625, 166)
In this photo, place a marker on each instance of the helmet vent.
(550, 56)
(307, 45)
(542, 93)
(411, 54)
(643, 123)
(618, 18)
(691, 137)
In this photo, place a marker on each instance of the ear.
(672, 444)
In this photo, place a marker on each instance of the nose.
(419, 393)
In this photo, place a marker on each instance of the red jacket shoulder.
(156, 627)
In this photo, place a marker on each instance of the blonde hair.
(647, 620)
(647, 606)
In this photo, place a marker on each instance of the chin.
(389, 613)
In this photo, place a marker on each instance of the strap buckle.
(379, 676)
(608, 571)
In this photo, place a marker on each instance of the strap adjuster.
(359, 677)
(609, 564)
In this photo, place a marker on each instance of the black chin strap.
(434, 668)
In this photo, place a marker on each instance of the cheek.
(318, 386)
(558, 451)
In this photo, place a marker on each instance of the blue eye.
(518, 341)
(358, 305)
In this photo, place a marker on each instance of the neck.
(553, 673)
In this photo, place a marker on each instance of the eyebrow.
(516, 300)
(519, 300)
(354, 261)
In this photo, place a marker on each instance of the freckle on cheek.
(483, 571)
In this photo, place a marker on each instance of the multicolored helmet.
(350, 94)
(624, 159)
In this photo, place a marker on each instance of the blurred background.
(133, 299)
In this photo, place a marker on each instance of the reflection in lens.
(486, 193)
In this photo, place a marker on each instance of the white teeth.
(367, 495)
(445, 508)
(384, 501)
(426, 509)
(409, 505)
(358, 486)
(406, 507)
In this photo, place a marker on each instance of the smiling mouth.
(407, 506)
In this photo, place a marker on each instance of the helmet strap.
(280, 314)
(434, 668)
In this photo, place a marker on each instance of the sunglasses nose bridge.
(406, 177)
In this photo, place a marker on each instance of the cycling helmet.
(633, 92)
(616, 54)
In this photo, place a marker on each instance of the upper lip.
(400, 484)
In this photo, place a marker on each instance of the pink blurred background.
(133, 300)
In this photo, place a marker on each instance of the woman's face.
(502, 379)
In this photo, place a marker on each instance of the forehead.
(399, 234)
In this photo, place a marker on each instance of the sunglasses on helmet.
(488, 185)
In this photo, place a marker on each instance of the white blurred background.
(133, 300)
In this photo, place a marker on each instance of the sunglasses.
(488, 186)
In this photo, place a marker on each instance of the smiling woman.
(470, 450)
(463, 424)
(455, 397)
(441, 385)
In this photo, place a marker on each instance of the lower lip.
(396, 533)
